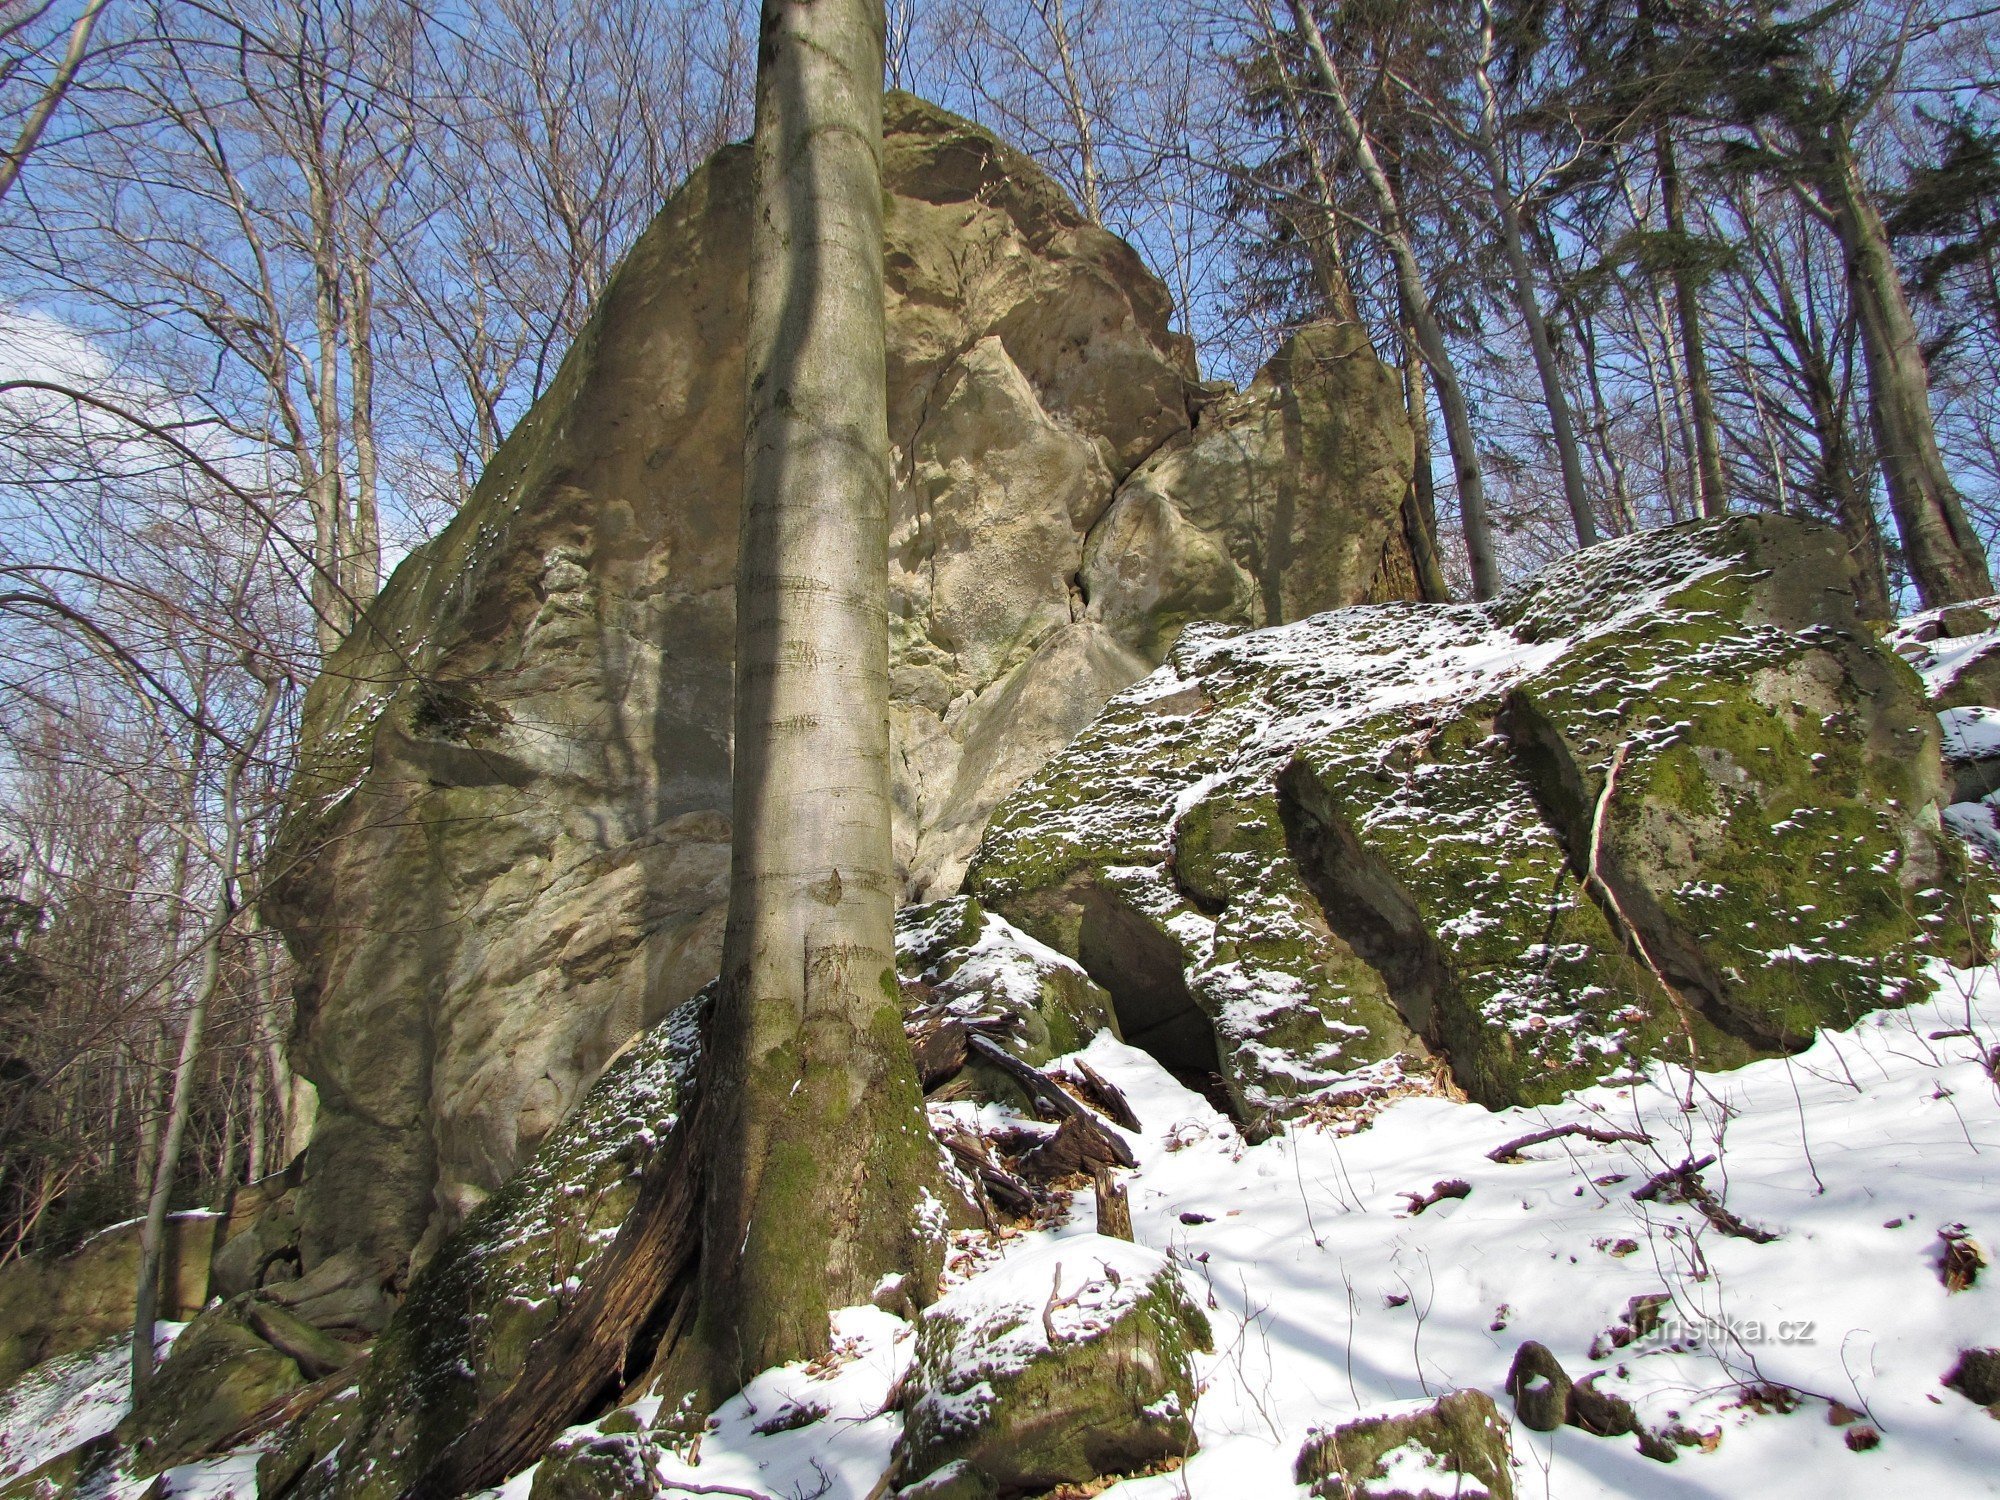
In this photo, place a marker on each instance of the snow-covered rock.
(1671, 798)
(1071, 1360)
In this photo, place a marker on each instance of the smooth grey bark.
(813, 1122)
(1947, 560)
(1521, 282)
(1410, 284)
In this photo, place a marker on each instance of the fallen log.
(1052, 1096)
(587, 1348)
(1107, 1096)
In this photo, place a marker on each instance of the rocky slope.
(508, 845)
(1668, 799)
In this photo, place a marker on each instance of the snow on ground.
(68, 1401)
(1329, 1300)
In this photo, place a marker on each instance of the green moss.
(1463, 1432)
(479, 1306)
(1032, 1418)
(1768, 862)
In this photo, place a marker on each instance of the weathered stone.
(82, 1469)
(263, 1249)
(1976, 1376)
(500, 1282)
(617, 1466)
(1454, 1448)
(507, 848)
(974, 966)
(54, 1305)
(1540, 1388)
(220, 1376)
(1070, 1362)
(1275, 507)
(307, 1441)
(346, 1291)
(1669, 796)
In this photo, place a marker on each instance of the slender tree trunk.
(1420, 505)
(364, 564)
(12, 161)
(1947, 561)
(1711, 494)
(813, 1123)
(1527, 301)
(1430, 337)
(152, 1235)
(1051, 12)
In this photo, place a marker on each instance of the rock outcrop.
(508, 843)
(52, 1305)
(1669, 796)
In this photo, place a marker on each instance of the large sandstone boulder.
(507, 846)
(52, 1305)
(1669, 795)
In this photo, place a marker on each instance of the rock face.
(502, 1282)
(1071, 1362)
(1670, 794)
(509, 841)
(55, 1305)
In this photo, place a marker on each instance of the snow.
(1970, 733)
(62, 1403)
(1331, 1301)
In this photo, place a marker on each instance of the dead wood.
(1683, 1184)
(1597, 1133)
(1106, 1095)
(1053, 1097)
(587, 1348)
(1451, 1187)
(1114, 1207)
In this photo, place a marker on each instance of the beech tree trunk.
(818, 1151)
(1947, 561)
(1410, 285)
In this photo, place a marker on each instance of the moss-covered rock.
(598, 1466)
(1071, 1361)
(307, 1440)
(501, 1281)
(972, 965)
(220, 1377)
(1669, 797)
(1454, 1448)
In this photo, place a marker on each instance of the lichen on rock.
(499, 1284)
